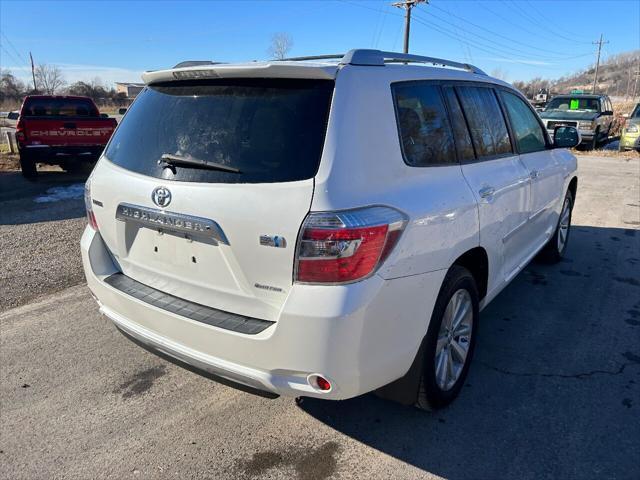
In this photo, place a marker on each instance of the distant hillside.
(615, 78)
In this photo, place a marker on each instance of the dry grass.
(8, 161)
(628, 155)
(619, 109)
(624, 106)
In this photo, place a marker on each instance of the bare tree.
(500, 73)
(12, 89)
(281, 43)
(49, 78)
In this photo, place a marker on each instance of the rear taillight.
(20, 135)
(88, 205)
(346, 246)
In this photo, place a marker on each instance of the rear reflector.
(319, 382)
(88, 206)
(346, 246)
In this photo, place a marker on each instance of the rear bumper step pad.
(185, 308)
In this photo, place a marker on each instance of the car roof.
(66, 97)
(580, 95)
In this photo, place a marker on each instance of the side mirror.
(104, 115)
(566, 137)
(15, 115)
(607, 112)
(122, 111)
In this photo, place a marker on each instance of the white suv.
(323, 228)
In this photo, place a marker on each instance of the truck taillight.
(20, 135)
(346, 246)
(88, 205)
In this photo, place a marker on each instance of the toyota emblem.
(161, 196)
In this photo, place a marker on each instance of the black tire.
(430, 394)
(552, 252)
(28, 166)
(594, 141)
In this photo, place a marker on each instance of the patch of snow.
(56, 194)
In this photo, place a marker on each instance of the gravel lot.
(39, 241)
(554, 391)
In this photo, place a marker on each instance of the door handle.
(70, 125)
(534, 174)
(486, 192)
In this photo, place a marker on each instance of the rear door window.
(423, 126)
(486, 122)
(525, 125)
(262, 130)
(462, 138)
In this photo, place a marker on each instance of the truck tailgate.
(68, 131)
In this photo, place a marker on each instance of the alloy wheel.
(563, 226)
(454, 339)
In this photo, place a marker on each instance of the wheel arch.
(573, 187)
(476, 261)
(405, 389)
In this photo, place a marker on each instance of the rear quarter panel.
(362, 165)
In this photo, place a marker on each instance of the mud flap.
(405, 389)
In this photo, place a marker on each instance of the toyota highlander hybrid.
(322, 228)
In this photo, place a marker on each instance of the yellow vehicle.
(630, 137)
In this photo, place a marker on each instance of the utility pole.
(33, 73)
(595, 79)
(407, 5)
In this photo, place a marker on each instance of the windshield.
(573, 103)
(270, 130)
(636, 112)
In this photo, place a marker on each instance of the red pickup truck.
(61, 130)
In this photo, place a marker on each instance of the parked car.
(61, 130)
(323, 229)
(592, 115)
(630, 136)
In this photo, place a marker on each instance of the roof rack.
(379, 58)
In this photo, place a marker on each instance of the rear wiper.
(169, 159)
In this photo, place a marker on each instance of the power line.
(511, 40)
(488, 47)
(501, 55)
(551, 20)
(539, 24)
(482, 47)
(535, 33)
(13, 59)
(408, 5)
(13, 47)
(595, 78)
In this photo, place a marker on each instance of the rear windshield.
(270, 130)
(59, 107)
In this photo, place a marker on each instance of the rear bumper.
(585, 135)
(360, 336)
(57, 154)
